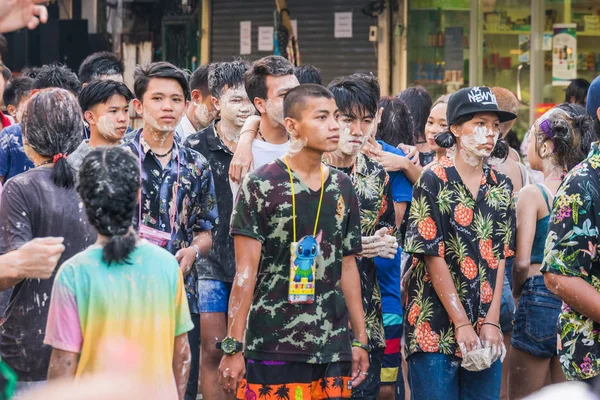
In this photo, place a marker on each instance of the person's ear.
(291, 126)
(598, 113)
(12, 110)
(137, 106)
(378, 116)
(456, 130)
(546, 149)
(90, 117)
(216, 103)
(260, 104)
(196, 96)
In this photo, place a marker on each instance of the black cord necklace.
(162, 155)
(50, 161)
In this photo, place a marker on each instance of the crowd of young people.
(322, 237)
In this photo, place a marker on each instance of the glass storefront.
(505, 58)
(435, 28)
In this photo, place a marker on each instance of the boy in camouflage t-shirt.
(301, 350)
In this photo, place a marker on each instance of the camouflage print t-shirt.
(314, 333)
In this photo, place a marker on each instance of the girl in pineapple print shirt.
(461, 224)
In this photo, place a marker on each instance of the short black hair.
(56, 76)
(199, 79)
(99, 64)
(419, 103)
(161, 69)
(255, 78)
(226, 73)
(308, 74)
(396, 126)
(6, 73)
(356, 92)
(16, 90)
(295, 102)
(578, 89)
(100, 91)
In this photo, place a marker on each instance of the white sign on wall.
(245, 37)
(342, 25)
(265, 38)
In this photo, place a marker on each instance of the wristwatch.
(230, 346)
(365, 347)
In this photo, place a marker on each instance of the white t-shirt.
(263, 153)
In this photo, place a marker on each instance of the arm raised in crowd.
(15, 15)
(36, 259)
(243, 161)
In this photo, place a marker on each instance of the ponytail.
(501, 150)
(63, 174)
(445, 139)
(119, 247)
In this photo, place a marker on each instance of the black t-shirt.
(219, 264)
(33, 206)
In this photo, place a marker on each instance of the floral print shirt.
(571, 250)
(471, 234)
(194, 205)
(370, 181)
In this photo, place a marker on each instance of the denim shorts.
(436, 376)
(507, 308)
(536, 319)
(213, 296)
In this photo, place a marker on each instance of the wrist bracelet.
(493, 324)
(460, 326)
(359, 344)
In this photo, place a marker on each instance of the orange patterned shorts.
(295, 381)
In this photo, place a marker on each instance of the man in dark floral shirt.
(571, 268)
(357, 97)
(178, 205)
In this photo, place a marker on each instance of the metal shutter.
(334, 57)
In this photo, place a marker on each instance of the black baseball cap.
(473, 100)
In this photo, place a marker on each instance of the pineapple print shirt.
(472, 235)
(276, 330)
(572, 250)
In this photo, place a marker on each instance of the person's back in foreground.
(120, 289)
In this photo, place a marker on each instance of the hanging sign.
(342, 25)
(564, 54)
(245, 37)
(265, 38)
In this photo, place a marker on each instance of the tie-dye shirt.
(141, 301)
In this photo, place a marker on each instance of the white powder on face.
(275, 112)
(351, 144)
(202, 115)
(106, 127)
(471, 143)
(480, 134)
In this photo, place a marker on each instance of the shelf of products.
(517, 32)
